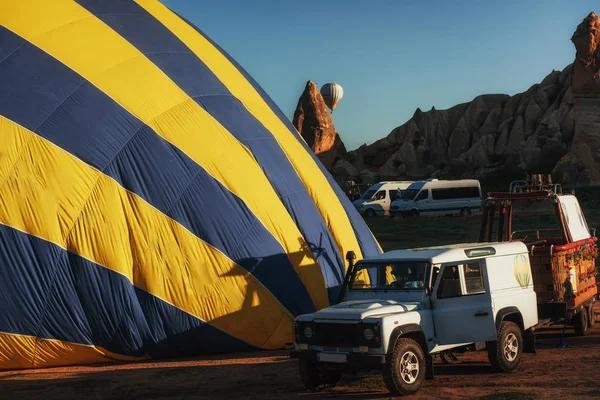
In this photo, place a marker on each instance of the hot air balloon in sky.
(332, 94)
(154, 201)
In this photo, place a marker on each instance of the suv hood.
(361, 309)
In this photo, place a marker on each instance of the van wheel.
(404, 371)
(505, 353)
(580, 321)
(465, 212)
(370, 213)
(315, 380)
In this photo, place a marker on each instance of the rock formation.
(490, 136)
(314, 123)
(582, 164)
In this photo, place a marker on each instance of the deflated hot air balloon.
(332, 94)
(154, 201)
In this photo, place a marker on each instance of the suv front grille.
(336, 335)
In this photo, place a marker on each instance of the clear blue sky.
(391, 56)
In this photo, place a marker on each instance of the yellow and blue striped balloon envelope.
(154, 202)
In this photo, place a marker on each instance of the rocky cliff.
(316, 127)
(488, 136)
(582, 164)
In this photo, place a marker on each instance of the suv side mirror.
(350, 257)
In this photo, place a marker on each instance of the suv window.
(449, 283)
(423, 195)
(450, 280)
(473, 278)
(403, 275)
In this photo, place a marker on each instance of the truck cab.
(401, 308)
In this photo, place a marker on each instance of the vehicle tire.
(591, 316)
(415, 214)
(369, 212)
(505, 353)
(466, 211)
(404, 371)
(580, 322)
(315, 380)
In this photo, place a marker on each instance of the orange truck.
(562, 248)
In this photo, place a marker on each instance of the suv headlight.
(371, 335)
(303, 331)
(308, 332)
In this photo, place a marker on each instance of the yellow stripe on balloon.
(23, 351)
(75, 37)
(48, 193)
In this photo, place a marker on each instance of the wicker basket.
(550, 274)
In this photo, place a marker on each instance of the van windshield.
(389, 276)
(409, 194)
(368, 194)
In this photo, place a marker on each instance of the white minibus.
(439, 197)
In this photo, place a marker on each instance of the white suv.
(400, 308)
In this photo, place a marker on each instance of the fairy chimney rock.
(314, 123)
(586, 68)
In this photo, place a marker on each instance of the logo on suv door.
(521, 270)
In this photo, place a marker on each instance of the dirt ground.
(571, 372)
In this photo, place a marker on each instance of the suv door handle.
(481, 313)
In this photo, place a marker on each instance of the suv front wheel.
(505, 352)
(404, 372)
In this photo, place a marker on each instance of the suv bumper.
(358, 360)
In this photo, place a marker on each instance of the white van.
(439, 197)
(378, 198)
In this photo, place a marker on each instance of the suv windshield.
(389, 276)
(409, 194)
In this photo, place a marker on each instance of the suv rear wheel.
(404, 372)
(314, 379)
(505, 353)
